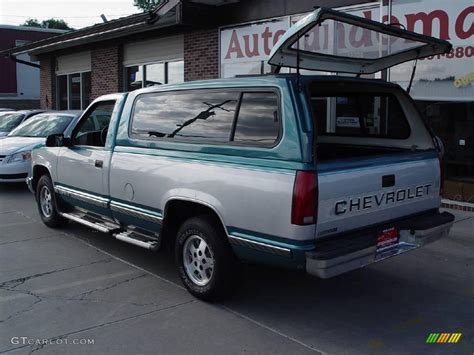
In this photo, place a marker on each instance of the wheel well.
(178, 211)
(38, 172)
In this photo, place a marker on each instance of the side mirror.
(58, 140)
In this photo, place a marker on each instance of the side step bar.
(138, 239)
(88, 221)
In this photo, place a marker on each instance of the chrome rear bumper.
(320, 265)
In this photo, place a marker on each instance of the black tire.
(224, 277)
(52, 219)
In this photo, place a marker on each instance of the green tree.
(51, 23)
(32, 22)
(56, 24)
(146, 5)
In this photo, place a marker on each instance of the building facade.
(20, 83)
(210, 39)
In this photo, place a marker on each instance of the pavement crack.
(75, 299)
(23, 310)
(47, 341)
(11, 284)
(84, 294)
(26, 216)
(28, 239)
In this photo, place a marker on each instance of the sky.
(77, 13)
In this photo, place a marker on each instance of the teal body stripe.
(140, 208)
(241, 233)
(135, 206)
(82, 190)
(294, 245)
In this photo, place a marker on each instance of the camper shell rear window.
(351, 112)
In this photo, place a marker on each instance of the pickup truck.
(319, 173)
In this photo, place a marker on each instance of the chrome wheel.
(198, 260)
(46, 202)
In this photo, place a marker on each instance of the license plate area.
(387, 238)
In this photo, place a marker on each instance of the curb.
(456, 205)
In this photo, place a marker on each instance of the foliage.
(32, 22)
(51, 23)
(146, 5)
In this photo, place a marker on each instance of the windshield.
(42, 126)
(8, 121)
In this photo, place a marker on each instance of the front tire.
(47, 206)
(206, 264)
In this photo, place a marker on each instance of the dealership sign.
(445, 19)
(255, 41)
(252, 42)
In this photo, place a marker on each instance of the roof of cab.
(270, 80)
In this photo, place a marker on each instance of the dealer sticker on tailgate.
(387, 238)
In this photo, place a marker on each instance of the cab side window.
(247, 118)
(257, 121)
(93, 127)
(195, 116)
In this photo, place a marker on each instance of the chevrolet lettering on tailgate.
(381, 199)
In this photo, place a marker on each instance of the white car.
(10, 119)
(15, 149)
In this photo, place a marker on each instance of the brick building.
(19, 83)
(203, 39)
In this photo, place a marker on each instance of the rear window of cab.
(241, 117)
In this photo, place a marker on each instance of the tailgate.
(369, 191)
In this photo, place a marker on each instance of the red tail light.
(305, 198)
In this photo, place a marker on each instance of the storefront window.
(73, 91)
(86, 89)
(139, 76)
(155, 74)
(62, 92)
(134, 77)
(443, 85)
(175, 72)
(443, 77)
(453, 123)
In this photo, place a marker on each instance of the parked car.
(15, 149)
(12, 119)
(6, 109)
(318, 173)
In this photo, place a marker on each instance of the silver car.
(10, 119)
(15, 149)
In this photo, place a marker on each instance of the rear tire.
(206, 264)
(47, 206)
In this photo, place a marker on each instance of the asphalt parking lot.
(74, 286)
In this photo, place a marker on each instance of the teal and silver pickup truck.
(319, 173)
